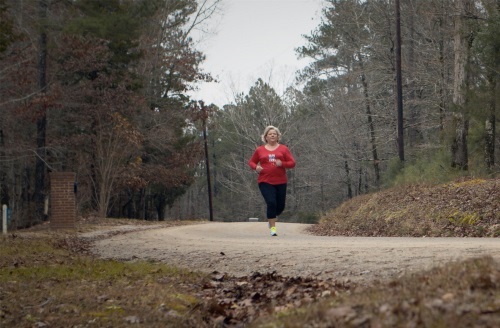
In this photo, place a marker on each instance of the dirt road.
(242, 248)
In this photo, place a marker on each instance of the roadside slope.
(463, 208)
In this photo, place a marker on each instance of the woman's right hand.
(258, 168)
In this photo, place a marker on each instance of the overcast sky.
(255, 38)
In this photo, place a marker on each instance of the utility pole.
(207, 163)
(399, 85)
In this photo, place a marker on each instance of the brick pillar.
(62, 200)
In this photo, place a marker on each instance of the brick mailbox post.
(62, 200)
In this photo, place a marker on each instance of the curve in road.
(242, 248)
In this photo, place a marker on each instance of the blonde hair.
(266, 131)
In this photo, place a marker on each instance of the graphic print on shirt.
(272, 158)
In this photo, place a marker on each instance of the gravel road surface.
(241, 248)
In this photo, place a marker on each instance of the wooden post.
(4, 219)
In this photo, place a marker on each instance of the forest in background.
(100, 88)
(341, 125)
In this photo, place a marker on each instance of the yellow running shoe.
(273, 231)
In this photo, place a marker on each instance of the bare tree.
(462, 45)
(41, 123)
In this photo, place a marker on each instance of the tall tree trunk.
(494, 104)
(161, 205)
(490, 121)
(414, 132)
(360, 182)
(214, 168)
(371, 126)
(4, 186)
(348, 178)
(462, 40)
(490, 142)
(41, 124)
(442, 73)
(399, 86)
(142, 213)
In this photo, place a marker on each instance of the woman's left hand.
(278, 162)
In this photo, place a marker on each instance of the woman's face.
(272, 136)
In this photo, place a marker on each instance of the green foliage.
(264, 105)
(111, 20)
(7, 35)
(476, 144)
(87, 269)
(301, 217)
(463, 218)
(394, 169)
(487, 43)
(432, 168)
(42, 252)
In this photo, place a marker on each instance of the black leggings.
(274, 195)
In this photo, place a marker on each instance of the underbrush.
(464, 207)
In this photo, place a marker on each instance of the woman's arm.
(254, 160)
(288, 161)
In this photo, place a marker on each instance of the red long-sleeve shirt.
(271, 173)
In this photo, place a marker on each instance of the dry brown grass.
(461, 208)
(43, 284)
(464, 294)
